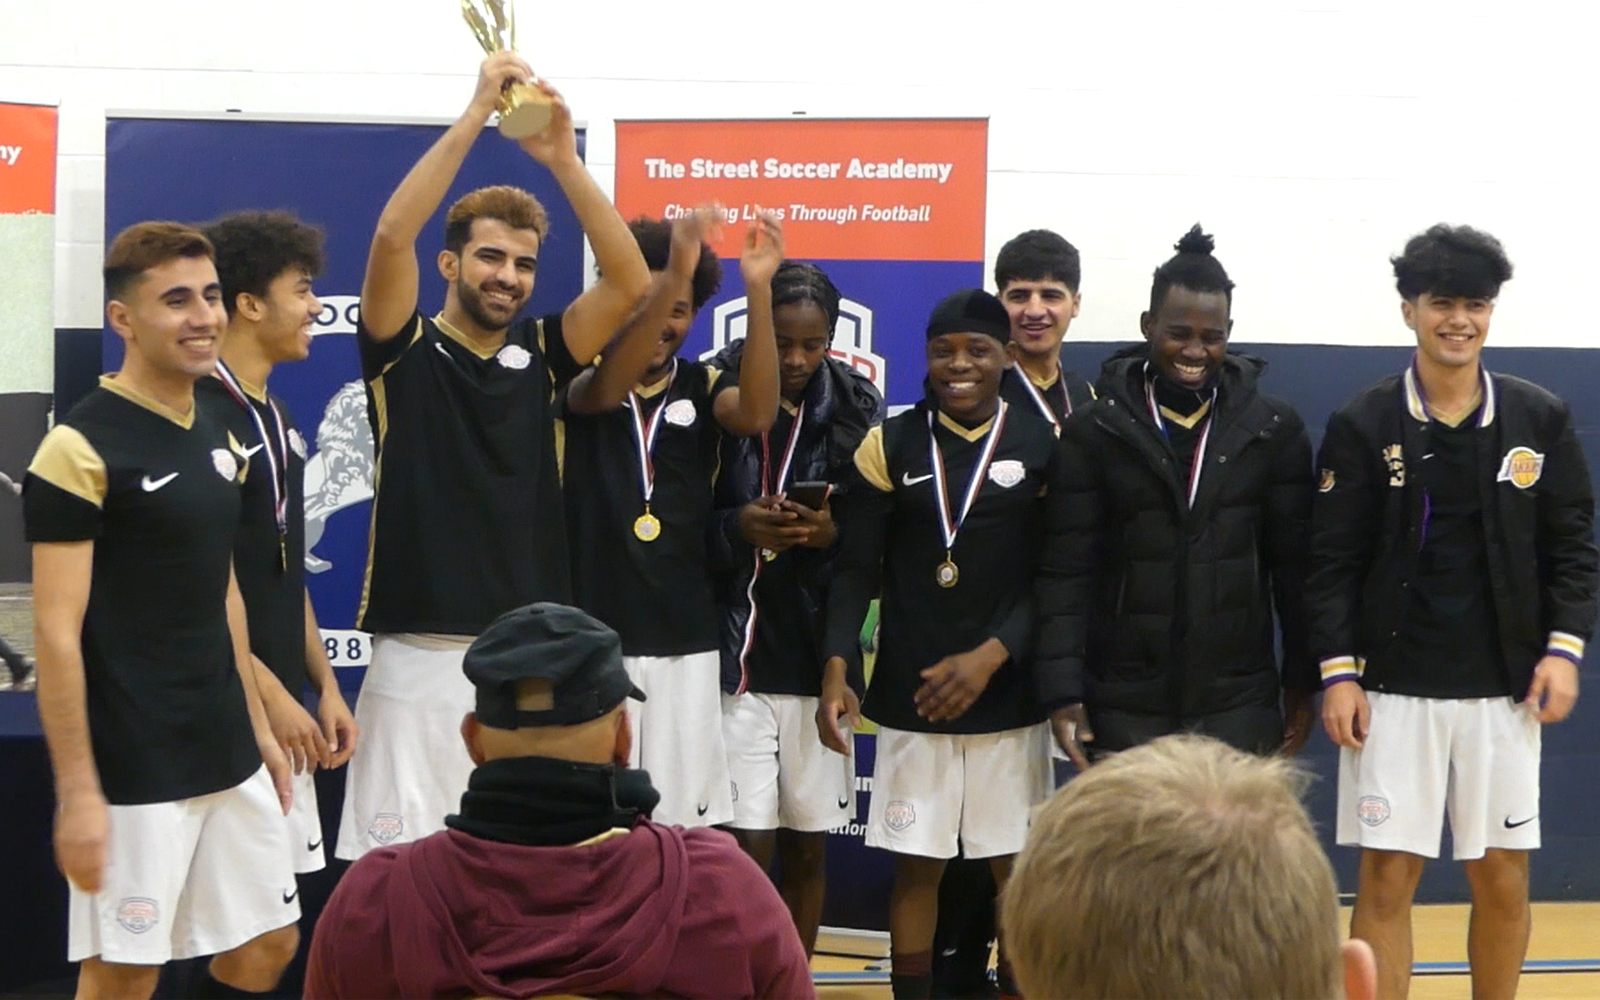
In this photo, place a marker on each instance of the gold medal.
(947, 575)
(647, 527)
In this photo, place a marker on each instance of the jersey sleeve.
(558, 359)
(63, 496)
(378, 356)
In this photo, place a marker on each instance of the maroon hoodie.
(655, 911)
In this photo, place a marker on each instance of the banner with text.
(893, 211)
(337, 175)
(27, 301)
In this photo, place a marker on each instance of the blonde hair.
(511, 205)
(1181, 868)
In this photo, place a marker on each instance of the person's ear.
(471, 730)
(1360, 970)
(449, 266)
(250, 307)
(1147, 325)
(1077, 303)
(1408, 312)
(622, 751)
(118, 319)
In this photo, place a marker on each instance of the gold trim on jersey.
(372, 538)
(1187, 423)
(160, 409)
(255, 392)
(647, 391)
(1047, 383)
(713, 374)
(416, 335)
(67, 461)
(788, 407)
(242, 455)
(561, 450)
(872, 463)
(965, 433)
(380, 406)
(485, 353)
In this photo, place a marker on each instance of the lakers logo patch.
(1326, 485)
(1396, 461)
(1521, 467)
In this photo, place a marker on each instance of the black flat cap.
(579, 656)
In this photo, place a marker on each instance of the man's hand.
(690, 233)
(339, 728)
(1299, 715)
(763, 250)
(498, 72)
(1070, 724)
(837, 699)
(278, 770)
(1346, 714)
(83, 824)
(296, 732)
(557, 143)
(766, 525)
(818, 524)
(950, 686)
(1554, 689)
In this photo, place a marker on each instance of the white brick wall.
(1310, 137)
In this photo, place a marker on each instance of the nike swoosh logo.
(288, 897)
(151, 485)
(1512, 826)
(311, 847)
(906, 479)
(844, 803)
(702, 810)
(251, 451)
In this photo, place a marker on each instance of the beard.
(472, 302)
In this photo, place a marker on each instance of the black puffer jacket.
(1147, 606)
(841, 404)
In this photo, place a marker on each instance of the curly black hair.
(799, 281)
(1453, 261)
(1192, 267)
(655, 242)
(254, 248)
(1037, 255)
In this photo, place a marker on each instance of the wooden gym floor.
(1563, 957)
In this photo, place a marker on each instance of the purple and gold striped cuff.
(1565, 645)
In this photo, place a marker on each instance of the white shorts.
(305, 827)
(1476, 759)
(677, 736)
(195, 877)
(411, 766)
(933, 791)
(782, 774)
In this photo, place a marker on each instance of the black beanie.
(971, 310)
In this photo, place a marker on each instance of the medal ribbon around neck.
(1161, 425)
(277, 456)
(645, 436)
(1039, 400)
(948, 526)
(769, 488)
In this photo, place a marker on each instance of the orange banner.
(863, 189)
(27, 159)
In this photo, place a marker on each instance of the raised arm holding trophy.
(524, 107)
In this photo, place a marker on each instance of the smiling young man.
(266, 262)
(467, 510)
(1037, 274)
(1453, 590)
(639, 478)
(1178, 525)
(171, 790)
(774, 558)
(946, 518)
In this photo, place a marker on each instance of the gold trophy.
(524, 108)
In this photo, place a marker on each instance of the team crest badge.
(297, 443)
(225, 463)
(680, 413)
(514, 357)
(1521, 467)
(1372, 810)
(1008, 473)
(1395, 459)
(386, 827)
(138, 914)
(899, 815)
(1326, 485)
